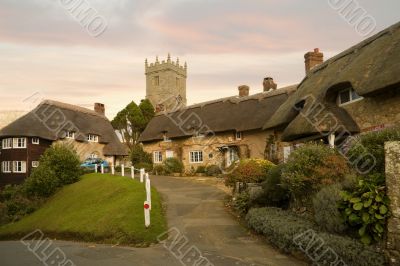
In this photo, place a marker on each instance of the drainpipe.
(331, 139)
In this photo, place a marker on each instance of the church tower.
(166, 84)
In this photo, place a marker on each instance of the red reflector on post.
(146, 206)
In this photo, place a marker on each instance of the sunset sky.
(45, 51)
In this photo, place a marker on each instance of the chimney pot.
(244, 90)
(269, 84)
(100, 108)
(313, 59)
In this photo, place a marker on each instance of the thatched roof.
(369, 67)
(227, 114)
(50, 120)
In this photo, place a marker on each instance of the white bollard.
(112, 170)
(133, 172)
(122, 170)
(148, 190)
(141, 175)
(146, 214)
(95, 168)
(102, 168)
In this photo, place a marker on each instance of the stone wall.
(392, 160)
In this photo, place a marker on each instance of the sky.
(45, 52)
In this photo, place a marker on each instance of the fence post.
(133, 172)
(102, 168)
(113, 170)
(95, 168)
(122, 170)
(141, 175)
(148, 190)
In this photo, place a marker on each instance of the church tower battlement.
(166, 84)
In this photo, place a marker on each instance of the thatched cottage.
(24, 140)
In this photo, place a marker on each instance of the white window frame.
(92, 138)
(7, 143)
(19, 167)
(70, 135)
(238, 135)
(36, 141)
(6, 167)
(196, 157)
(19, 143)
(169, 154)
(157, 157)
(35, 164)
(350, 91)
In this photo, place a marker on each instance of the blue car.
(91, 164)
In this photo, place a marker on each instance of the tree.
(132, 120)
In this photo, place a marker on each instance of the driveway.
(196, 213)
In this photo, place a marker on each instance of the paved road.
(196, 211)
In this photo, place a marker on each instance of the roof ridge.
(72, 107)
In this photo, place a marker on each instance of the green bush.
(326, 209)
(274, 192)
(201, 169)
(367, 153)
(173, 165)
(241, 203)
(309, 168)
(249, 171)
(159, 169)
(148, 167)
(366, 209)
(213, 170)
(58, 166)
(282, 228)
(138, 155)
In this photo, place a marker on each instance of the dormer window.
(165, 138)
(92, 138)
(347, 96)
(35, 141)
(70, 135)
(238, 135)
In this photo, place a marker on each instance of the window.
(35, 141)
(19, 167)
(238, 135)
(92, 138)
(7, 143)
(6, 167)
(348, 96)
(158, 157)
(19, 143)
(196, 156)
(70, 135)
(157, 80)
(35, 164)
(165, 138)
(169, 154)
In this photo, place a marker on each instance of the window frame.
(70, 135)
(92, 138)
(351, 94)
(238, 135)
(22, 166)
(156, 80)
(9, 167)
(8, 141)
(196, 156)
(157, 157)
(36, 141)
(35, 164)
(19, 145)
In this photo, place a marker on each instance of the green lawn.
(99, 208)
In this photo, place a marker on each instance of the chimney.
(269, 84)
(313, 59)
(244, 90)
(100, 108)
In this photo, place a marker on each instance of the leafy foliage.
(138, 155)
(326, 212)
(249, 171)
(173, 165)
(132, 120)
(58, 166)
(281, 227)
(310, 167)
(366, 209)
(242, 203)
(274, 192)
(213, 170)
(201, 169)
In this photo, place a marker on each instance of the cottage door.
(231, 156)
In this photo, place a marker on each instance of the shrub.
(283, 227)
(59, 166)
(201, 169)
(309, 168)
(213, 170)
(366, 209)
(138, 155)
(326, 209)
(274, 192)
(371, 145)
(159, 169)
(242, 203)
(173, 165)
(249, 171)
(148, 167)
